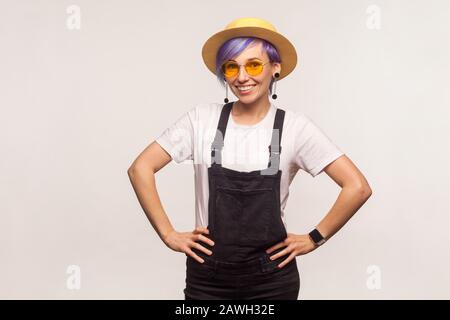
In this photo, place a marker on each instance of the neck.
(251, 111)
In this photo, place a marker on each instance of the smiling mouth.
(245, 89)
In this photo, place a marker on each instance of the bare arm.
(354, 193)
(142, 177)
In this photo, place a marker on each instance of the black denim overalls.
(244, 220)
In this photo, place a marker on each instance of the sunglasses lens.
(254, 67)
(230, 69)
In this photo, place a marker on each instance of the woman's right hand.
(184, 241)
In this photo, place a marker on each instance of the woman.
(245, 155)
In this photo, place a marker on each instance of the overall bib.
(244, 220)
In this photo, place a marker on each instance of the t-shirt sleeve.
(178, 138)
(314, 150)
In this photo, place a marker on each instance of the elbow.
(139, 169)
(365, 192)
(132, 170)
(368, 193)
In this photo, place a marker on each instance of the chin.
(249, 99)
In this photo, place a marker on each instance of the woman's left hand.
(296, 244)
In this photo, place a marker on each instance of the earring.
(274, 95)
(226, 90)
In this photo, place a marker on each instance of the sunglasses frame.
(240, 65)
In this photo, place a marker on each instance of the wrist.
(316, 237)
(313, 244)
(165, 234)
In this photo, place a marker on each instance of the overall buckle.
(275, 152)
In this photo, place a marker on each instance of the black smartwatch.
(316, 237)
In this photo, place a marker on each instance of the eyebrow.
(248, 59)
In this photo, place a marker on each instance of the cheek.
(265, 82)
(267, 78)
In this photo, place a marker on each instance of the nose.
(243, 75)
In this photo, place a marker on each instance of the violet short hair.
(233, 47)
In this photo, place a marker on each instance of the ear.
(276, 67)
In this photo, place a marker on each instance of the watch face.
(317, 237)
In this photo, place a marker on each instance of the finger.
(198, 246)
(291, 236)
(200, 230)
(205, 239)
(192, 254)
(275, 247)
(287, 260)
(281, 253)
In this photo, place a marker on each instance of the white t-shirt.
(304, 146)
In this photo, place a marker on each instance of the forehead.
(252, 51)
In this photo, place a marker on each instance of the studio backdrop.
(87, 85)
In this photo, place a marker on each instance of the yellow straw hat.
(251, 27)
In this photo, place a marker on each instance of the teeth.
(245, 88)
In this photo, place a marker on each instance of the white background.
(77, 107)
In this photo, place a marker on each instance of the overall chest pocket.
(244, 216)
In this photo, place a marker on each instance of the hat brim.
(284, 47)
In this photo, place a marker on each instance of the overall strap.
(275, 144)
(218, 143)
